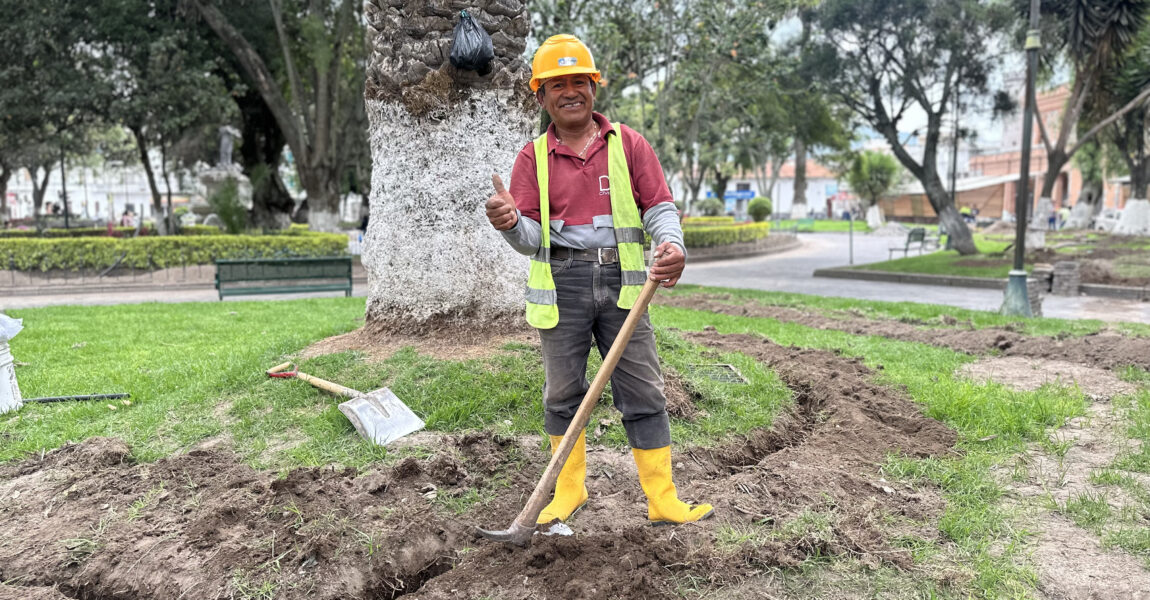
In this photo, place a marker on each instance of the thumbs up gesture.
(501, 207)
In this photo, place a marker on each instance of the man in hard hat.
(598, 185)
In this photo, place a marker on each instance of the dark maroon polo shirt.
(581, 189)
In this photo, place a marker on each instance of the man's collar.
(605, 127)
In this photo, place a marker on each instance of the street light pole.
(1016, 303)
(64, 186)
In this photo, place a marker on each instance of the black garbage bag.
(471, 47)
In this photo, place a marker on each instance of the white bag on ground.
(9, 391)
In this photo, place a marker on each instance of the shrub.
(72, 232)
(161, 251)
(696, 221)
(199, 230)
(711, 207)
(759, 208)
(707, 237)
(226, 204)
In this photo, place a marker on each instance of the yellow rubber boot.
(663, 504)
(570, 489)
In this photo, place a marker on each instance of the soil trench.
(85, 521)
(1105, 349)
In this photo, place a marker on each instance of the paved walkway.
(791, 272)
(786, 272)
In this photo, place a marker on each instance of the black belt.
(603, 256)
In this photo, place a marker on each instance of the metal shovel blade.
(380, 416)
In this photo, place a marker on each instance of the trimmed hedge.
(200, 230)
(73, 232)
(697, 221)
(707, 237)
(161, 252)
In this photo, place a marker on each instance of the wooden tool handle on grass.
(540, 496)
(324, 384)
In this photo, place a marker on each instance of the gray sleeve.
(662, 222)
(525, 237)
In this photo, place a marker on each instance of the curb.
(1086, 289)
(985, 283)
(50, 290)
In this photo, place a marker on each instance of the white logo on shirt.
(604, 185)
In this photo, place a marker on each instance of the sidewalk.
(792, 272)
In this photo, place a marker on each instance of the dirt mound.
(89, 522)
(444, 344)
(1105, 349)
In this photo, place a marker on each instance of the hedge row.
(161, 252)
(72, 232)
(707, 237)
(705, 221)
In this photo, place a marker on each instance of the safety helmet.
(561, 54)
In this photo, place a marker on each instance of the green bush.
(694, 221)
(161, 251)
(226, 204)
(707, 237)
(711, 207)
(199, 230)
(72, 232)
(759, 208)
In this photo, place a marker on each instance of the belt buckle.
(608, 255)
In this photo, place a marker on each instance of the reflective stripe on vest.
(542, 307)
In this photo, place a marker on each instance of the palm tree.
(437, 134)
(871, 176)
(1092, 35)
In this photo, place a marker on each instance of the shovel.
(378, 416)
(524, 525)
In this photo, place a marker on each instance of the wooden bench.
(915, 240)
(805, 225)
(283, 275)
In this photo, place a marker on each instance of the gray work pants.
(587, 296)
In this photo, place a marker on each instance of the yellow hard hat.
(561, 54)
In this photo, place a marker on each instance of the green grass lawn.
(990, 262)
(196, 373)
(826, 226)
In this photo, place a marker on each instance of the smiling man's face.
(569, 99)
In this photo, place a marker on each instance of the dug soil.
(86, 521)
(1105, 349)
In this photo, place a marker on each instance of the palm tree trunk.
(437, 134)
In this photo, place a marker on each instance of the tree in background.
(1123, 83)
(163, 83)
(48, 116)
(871, 175)
(883, 57)
(1093, 36)
(1090, 162)
(321, 46)
(816, 122)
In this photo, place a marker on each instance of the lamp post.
(1016, 303)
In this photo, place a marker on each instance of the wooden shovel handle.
(540, 496)
(324, 384)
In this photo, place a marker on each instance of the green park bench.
(915, 240)
(805, 225)
(283, 275)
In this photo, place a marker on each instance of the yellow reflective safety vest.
(542, 307)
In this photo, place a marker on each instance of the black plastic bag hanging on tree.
(471, 47)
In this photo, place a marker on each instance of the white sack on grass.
(9, 327)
